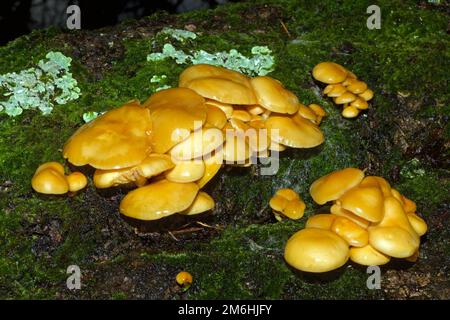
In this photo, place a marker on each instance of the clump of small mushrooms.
(344, 87)
(287, 203)
(50, 178)
(174, 143)
(370, 222)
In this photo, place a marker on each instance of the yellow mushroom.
(419, 225)
(271, 95)
(344, 98)
(350, 112)
(76, 181)
(365, 202)
(329, 72)
(215, 116)
(335, 184)
(186, 171)
(213, 163)
(366, 95)
(49, 179)
(158, 200)
(286, 202)
(202, 203)
(241, 115)
(368, 256)
(357, 87)
(316, 250)
(355, 235)
(339, 211)
(320, 221)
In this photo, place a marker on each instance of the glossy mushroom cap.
(202, 203)
(213, 163)
(368, 256)
(186, 171)
(316, 250)
(158, 200)
(320, 221)
(151, 166)
(355, 235)
(287, 202)
(76, 181)
(295, 132)
(218, 83)
(419, 225)
(335, 184)
(117, 139)
(366, 202)
(174, 113)
(329, 72)
(48, 179)
(271, 95)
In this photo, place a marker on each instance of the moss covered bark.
(403, 137)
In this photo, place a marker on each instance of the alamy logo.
(374, 20)
(374, 280)
(74, 19)
(74, 280)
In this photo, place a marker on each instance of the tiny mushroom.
(287, 203)
(49, 179)
(76, 181)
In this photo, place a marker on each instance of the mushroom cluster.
(287, 203)
(370, 222)
(50, 178)
(344, 87)
(177, 140)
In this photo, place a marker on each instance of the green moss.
(405, 63)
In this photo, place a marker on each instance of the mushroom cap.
(152, 165)
(278, 203)
(320, 221)
(213, 163)
(58, 167)
(158, 200)
(225, 107)
(241, 115)
(329, 72)
(360, 104)
(335, 184)
(366, 95)
(394, 235)
(183, 278)
(175, 113)
(76, 181)
(218, 83)
(344, 98)
(295, 132)
(186, 171)
(287, 193)
(271, 95)
(275, 146)
(409, 205)
(215, 116)
(307, 113)
(357, 86)
(316, 250)
(355, 235)
(255, 109)
(419, 225)
(350, 112)
(49, 181)
(368, 256)
(294, 209)
(366, 202)
(339, 211)
(334, 90)
(200, 143)
(393, 241)
(202, 203)
(117, 139)
(374, 181)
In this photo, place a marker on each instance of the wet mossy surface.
(237, 251)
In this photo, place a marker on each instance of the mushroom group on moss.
(174, 143)
(287, 203)
(344, 87)
(372, 219)
(50, 178)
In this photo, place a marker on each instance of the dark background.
(18, 17)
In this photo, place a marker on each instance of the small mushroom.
(158, 200)
(357, 86)
(186, 171)
(76, 181)
(350, 112)
(360, 104)
(378, 182)
(287, 203)
(295, 132)
(320, 221)
(316, 250)
(344, 98)
(366, 202)
(241, 115)
(368, 256)
(335, 184)
(329, 72)
(225, 107)
(355, 235)
(271, 95)
(198, 144)
(366, 95)
(255, 109)
(49, 179)
(339, 211)
(184, 279)
(202, 203)
(215, 116)
(419, 225)
(213, 163)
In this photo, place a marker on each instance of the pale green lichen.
(41, 87)
(178, 34)
(259, 64)
(164, 87)
(90, 115)
(157, 78)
